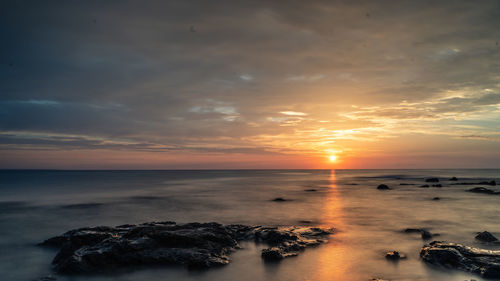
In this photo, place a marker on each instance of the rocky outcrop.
(456, 256)
(432, 180)
(199, 245)
(453, 179)
(492, 183)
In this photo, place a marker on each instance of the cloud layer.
(291, 82)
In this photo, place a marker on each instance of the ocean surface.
(35, 205)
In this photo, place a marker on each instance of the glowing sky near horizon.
(249, 84)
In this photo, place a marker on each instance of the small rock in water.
(437, 185)
(432, 180)
(493, 183)
(311, 190)
(279, 199)
(424, 186)
(485, 236)
(425, 234)
(483, 190)
(394, 255)
(453, 179)
(383, 187)
(456, 256)
(436, 198)
(46, 278)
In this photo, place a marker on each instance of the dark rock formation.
(406, 184)
(437, 185)
(432, 180)
(485, 236)
(394, 255)
(383, 187)
(483, 190)
(453, 179)
(199, 245)
(424, 186)
(311, 190)
(436, 198)
(280, 199)
(456, 256)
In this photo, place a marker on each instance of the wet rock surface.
(456, 256)
(198, 245)
(432, 180)
(485, 236)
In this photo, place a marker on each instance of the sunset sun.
(333, 158)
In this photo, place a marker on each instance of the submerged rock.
(279, 199)
(437, 185)
(102, 249)
(424, 185)
(485, 236)
(383, 187)
(311, 190)
(436, 198)
(453, 179)
(492, 183)
(424, 233)
(456, 256)
(483, 190)
(432, 180)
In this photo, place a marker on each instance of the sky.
(249, 84)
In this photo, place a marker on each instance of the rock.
(436, 198)
(485, 236)
(394, 255)
(425, 234)
(279, 199)
(456, 256)
(200, 245)
(483, 190)
(432, 180)
(424, 186)
(437, 185)
(383, 187)
(453, 179)
(406, 184)
(311, 190)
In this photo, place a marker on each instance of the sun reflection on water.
(333, 261)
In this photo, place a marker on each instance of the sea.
(38, 204)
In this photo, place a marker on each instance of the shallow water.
(35, 205)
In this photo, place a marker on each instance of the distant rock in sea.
(394, 255)
(280, 199)
(453, 179)
(483, 190)
(198, 245)
(383, 187)
(432, 180)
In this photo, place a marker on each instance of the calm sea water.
(35, 205)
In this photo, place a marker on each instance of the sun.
(333, 158)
